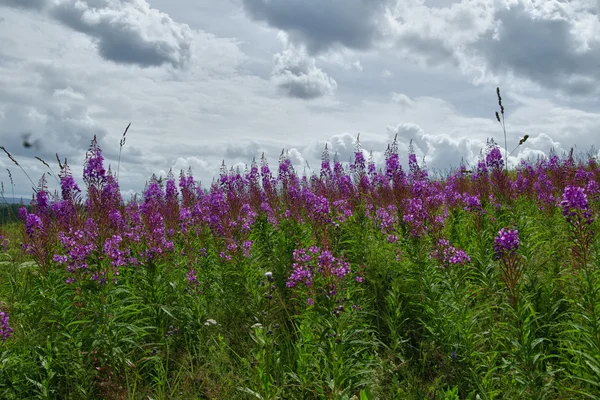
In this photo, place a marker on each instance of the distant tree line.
(9, 213)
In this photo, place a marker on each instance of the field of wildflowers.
(356, 283)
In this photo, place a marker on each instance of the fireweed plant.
(506, 245)
(353, 282)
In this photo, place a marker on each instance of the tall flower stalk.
(506, 245)
(577, 213)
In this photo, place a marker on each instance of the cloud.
(435, 36)
(195, 163)
(25, 4)
(402, 99)
(56, 114)
(440, 151)
(125, 32)
(296, 74)
(321, 25)
(342, 144)
(408, 132)
(544, 45)
(241, 151)
(553, 44)
(298, 161)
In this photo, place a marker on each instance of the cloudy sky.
(203, 81)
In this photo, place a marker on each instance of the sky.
(205, 81)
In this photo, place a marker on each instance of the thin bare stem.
(523, 140)
(18, 165)
(121, 144)
(12, 184)
(50, 168)
(503, 127)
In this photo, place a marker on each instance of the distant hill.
(17, 200)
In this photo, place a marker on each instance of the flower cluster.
(473, 204)
(94, 172)
(449, 255)
(493, 158)
(575, 206)
(193, 284)
(415, 217)
(5, 329)
(318, 271)
(506, 243)
(92, 232)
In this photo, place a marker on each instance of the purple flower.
(171, 190)
(42, 196)
(473, 204)
(493, 159)
(506, 243)
(325, 164)
(358, 166)
(392, 161)
(68, 185)
(247, 246)
(111, 249)
(449, 255)
(5, 329)
(93, 171)
(60, 259)
(386, 218)
(22, 213)
(415, 217)
(33, 224)
(318, 269)
(575, 205)
(545, 191)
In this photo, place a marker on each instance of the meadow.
(355, 283)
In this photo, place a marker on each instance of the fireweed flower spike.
(575, 206)
(449, 255)
(5, 329)
(316, 272)
(94, 172)
(506, 245)
(576, 210)
(325, 164)
(493, 158)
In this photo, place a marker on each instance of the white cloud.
(401, 99)
(296, 74)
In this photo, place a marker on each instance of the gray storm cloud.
(322, 24)
(125, 32)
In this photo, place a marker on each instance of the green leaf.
(365, 394)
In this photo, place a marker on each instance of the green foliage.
(413, 329)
